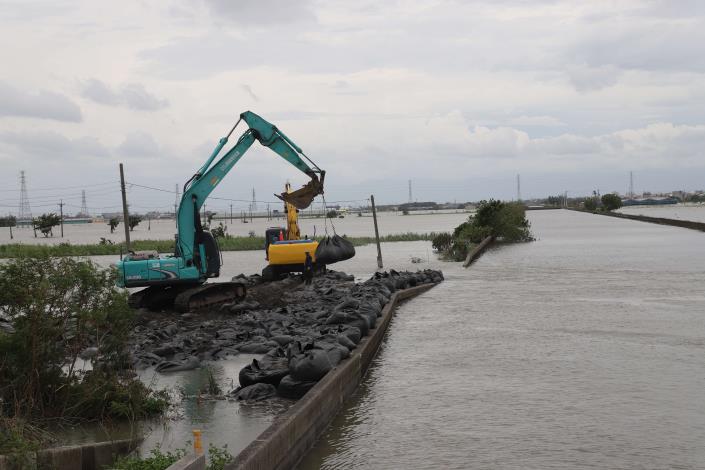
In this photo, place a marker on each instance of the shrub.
(590, 204)
(611, 202)
(442, 241)
(58, 308)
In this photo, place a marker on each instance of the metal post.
(125, 213)
(379, 248)
(61, 212)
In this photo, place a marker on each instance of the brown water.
(584, 349)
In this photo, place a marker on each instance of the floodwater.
(583, 349)
(352, 225)
(693, 212)
(233, 423)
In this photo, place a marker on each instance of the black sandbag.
(289, 387)
(269, 372)
(370, 311)
(333, 249)
(312, 365)
(255, 392)
(352, 333)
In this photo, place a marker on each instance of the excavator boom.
(196, 255)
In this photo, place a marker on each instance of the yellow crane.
(284, 248)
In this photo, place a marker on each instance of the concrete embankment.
(294, 433)
(82, 457)
(653, 220)
(477, 251)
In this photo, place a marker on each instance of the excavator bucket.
(302, 198)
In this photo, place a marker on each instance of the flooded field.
(353, 225)
(696, 213)
(582, 349)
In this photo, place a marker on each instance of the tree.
(45, 222)
(9, 221)
(332, 214)
(590, 204)
(134, 221)
(554, 200)
(113, 222)
(611, 202)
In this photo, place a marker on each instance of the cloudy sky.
(457, 96)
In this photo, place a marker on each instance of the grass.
(17, 250)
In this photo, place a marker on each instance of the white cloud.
(43, 104)
(131, 95)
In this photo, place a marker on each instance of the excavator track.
(209, 295)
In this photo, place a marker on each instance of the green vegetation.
(591, 204)
(64, 311)
(227, 243)
(113, 223)
(45, 222)
(134, 221)
(9, 221)
(218, 457)
(504, 220)
(611, 202)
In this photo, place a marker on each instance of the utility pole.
(231, 213)
(176, 203)
(410, 200)
(11, 237)
(125, 213)
(379, 248)
(61, 216)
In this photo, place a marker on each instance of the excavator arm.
(198, 188)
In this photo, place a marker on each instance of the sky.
(458, 97)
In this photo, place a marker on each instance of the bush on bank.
(60, 314)
(506, 221)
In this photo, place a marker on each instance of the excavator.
(284, 248)
(180, 278)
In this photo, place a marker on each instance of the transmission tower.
(254, 201)
(84, 208)
(631, 185)
(410, 198)
(25, 215)
(518, 188)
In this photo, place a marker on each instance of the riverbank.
(689, 224)
(167, 246)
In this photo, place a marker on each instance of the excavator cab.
(212, 252)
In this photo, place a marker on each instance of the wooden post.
(125, 213)
(11, 237)
(61, 220)
(379, 248)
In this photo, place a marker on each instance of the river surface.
(584, 349)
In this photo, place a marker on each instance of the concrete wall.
(284, 443)
(84, 457)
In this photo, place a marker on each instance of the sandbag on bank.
(333, 249)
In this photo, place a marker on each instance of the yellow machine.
(284, 248)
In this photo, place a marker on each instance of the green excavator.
(180, 278)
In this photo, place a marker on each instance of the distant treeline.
(10, 221)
